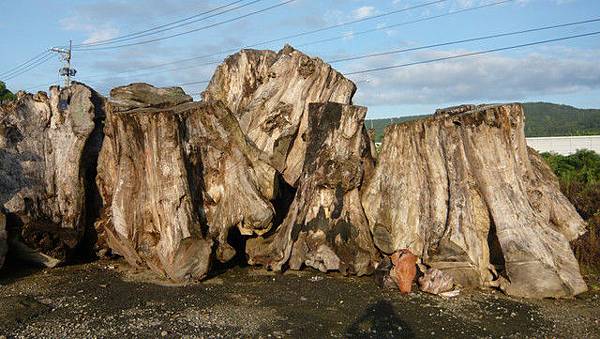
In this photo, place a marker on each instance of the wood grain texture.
(462, 191)
(325, 227)
(175, 180)
(270, 92)
(47, 149)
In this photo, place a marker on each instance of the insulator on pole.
(67, 71)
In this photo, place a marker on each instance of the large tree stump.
(48, 148)
(461, 190)
(175, 176)
(325, 227)
(270, 92)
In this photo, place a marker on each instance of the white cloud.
(473, 79)
(101, 34)
(363, 12)
(95, 32)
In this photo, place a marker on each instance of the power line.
(297, 35)
(472, 53)
(165, 27)
(486, 37)
(382, 28)
(193, 30)
(331, 61)
(452, 57)
(448, 57)
(231, 50)
(25, 64)
(30, 67)
(303, 33)
(194, 83)
(161, 71)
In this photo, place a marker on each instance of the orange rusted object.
(404, 270)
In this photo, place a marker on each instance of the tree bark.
(47, 151)
(269, 93)
(325, 227)
(175, 178)
(461, 190)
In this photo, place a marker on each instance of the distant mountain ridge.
(543, 119)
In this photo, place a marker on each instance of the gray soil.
(108, 299)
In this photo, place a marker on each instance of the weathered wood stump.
(278, 151)
(325, 227)
(175, 176)
(270, 93)
(462, 191)
(48, 147)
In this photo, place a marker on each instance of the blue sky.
(564, 72)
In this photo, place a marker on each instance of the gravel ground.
(107, 299)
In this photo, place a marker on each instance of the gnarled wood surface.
(461, 190)
(176, 179)
(48, 147)
(277, 150)
(325, 227)
(270, 94)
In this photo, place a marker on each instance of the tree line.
(5, 94)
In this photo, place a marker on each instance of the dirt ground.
(107, 299)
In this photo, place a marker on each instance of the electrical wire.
(485, 37)
(377, 69)
(24, 64)
(193, 30)
(30, 67)
(232, 50)
(386, 27)
(332, 61)
(165, 27)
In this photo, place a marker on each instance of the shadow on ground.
(107, 299)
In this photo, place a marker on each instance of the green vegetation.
(542, 120)
(545, 120)
(5, 94)
(380, 124)
(579, 177)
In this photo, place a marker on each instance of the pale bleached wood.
(325, 227)
(462, 191)
(175, 179)
(270, 92)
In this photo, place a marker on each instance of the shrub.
(579, 177)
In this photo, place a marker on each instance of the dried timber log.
(175, 176)
(462, 191)
(325, 227)
(48, 148)
(270, 92)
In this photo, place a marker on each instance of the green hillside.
(542, 120)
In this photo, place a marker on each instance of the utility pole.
(67, 72)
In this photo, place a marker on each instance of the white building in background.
(565, 145)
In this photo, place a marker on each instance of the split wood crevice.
(277, 154)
